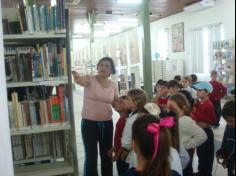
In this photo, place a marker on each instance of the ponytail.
(157, 163)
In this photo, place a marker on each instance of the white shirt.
(126, 140)
(175, 161)
(191, 135)
(192, 92)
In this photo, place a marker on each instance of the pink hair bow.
(154, 129)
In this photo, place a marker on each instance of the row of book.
(29, 64)
(33, 114)
(34, 17)
(38, 145)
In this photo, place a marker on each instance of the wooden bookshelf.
(38, 64)
(51, 169)
(55, 82)
(41, 129)
(16, 37)
(46, 158)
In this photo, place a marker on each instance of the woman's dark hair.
(160, 166)
(174, 130)
(229, 109)
(110, 60)
(194, 78)
(181, 102)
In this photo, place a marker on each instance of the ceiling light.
(53, 2)
(129, 1)
(101, 34)
(198, 6)
(128, 20)
(81, 29)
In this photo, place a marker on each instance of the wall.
(6, 164)
(223, 12)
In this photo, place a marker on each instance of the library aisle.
(78, 104)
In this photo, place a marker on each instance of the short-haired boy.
(204, 114)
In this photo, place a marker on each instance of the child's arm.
(196, 134)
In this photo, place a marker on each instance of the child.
(204, 115)
(178, 78)
(219, 91)
(151, 143)
(194, 79)
(121, 107)
(186, 84)
(227, 151)
(173, 87)
(191, 135)
(136, 102)
(162, 95)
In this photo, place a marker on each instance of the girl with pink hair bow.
(152, 145)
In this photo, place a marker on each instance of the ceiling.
(109, 11)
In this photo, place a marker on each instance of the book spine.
(60, 92)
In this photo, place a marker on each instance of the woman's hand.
(81, 80)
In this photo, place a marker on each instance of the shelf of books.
(224, 61)
(39, 87)
(33, 36)
(60, 168)
(55, 82)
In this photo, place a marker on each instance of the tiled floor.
(78, 102)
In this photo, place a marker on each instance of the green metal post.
(91, 20)
(147, 60)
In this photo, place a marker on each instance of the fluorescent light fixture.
(128, 20)
(112, 28)
(101, 34)
(202, 5)
(129, 1)
(53, 2)
(81, 29)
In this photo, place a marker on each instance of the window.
(201, 47)
(163, 44)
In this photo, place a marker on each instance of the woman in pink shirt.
(97, 125)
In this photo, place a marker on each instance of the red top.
(219, 91)
(162, 102)
(119, 132)
(204, 112)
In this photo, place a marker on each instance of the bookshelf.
(39, 87)
(15, 37)
(224, 62)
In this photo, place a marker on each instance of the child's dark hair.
(160, 166)
(177, 78)
(108, 59)
(189, 97)
(175, 140)
(160, 82)
(214, 73)
(139, 97)
(173, 84)
(229, 109)
(194, 78)
(181, 102)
